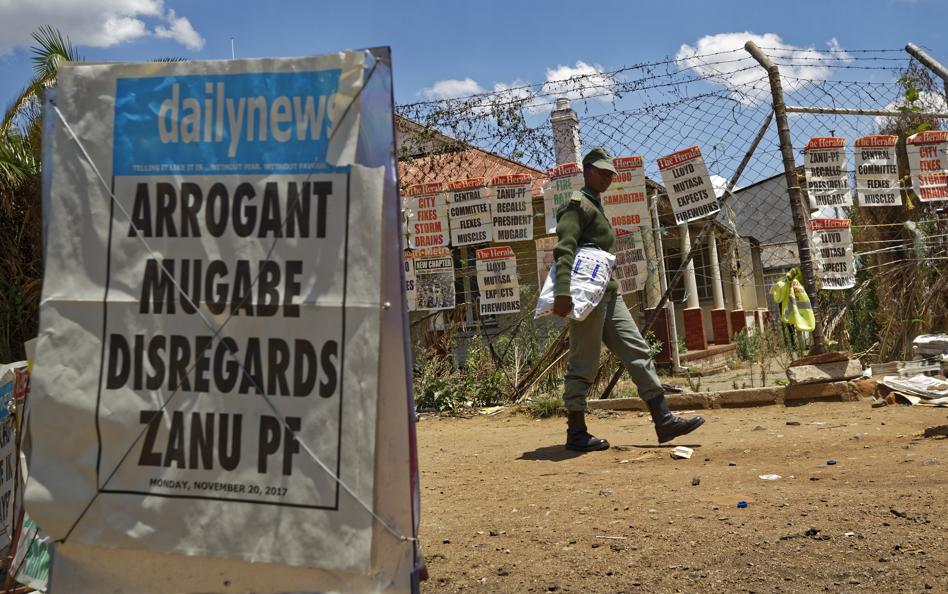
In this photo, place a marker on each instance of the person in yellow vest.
(582, 221)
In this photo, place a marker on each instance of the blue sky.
(477, 45)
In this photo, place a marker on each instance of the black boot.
(578, 437)
(667, 425)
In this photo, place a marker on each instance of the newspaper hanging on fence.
(833, 243)
(434, 279)
(688, 185)
(544, 247)
(469, 212)
(513, 207)
(426, 215)
(497, 281)
(928, 164)
(631, 269)
(877, 171)
(562, 182)
(203, 416)
(409, 269)
(827, 176)
(624, 202)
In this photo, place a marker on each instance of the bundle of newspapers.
(920, 389)
(592, 269)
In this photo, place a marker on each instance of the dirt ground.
(506, 509)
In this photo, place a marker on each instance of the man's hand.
(562, 305)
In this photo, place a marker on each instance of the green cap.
(599, 158)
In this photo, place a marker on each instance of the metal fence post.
(796, 200)
(930, 63)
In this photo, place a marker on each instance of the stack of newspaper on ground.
(919, 390)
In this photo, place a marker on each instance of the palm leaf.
(17, 162)
(50, 51)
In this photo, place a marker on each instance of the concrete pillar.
(565, 124)
(720, 321)
(695, 338)
(653, 291)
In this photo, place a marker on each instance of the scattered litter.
(817, 423)
(491, 410)
(732, 463)
(623, 461)
(742, 504)
(814, 533)
(696, 481)
(831, 462)
(899, 512)
(918, 390)
(769, 477)
(793, 423)
(681, 452)
(849, 534)
(614, 537)
(759, 428)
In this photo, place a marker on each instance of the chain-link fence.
(721, 102)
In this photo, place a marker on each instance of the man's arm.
(569, 228)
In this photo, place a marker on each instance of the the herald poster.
(688, 185)
(827, 176)
(497, 280)
(928, 164)
(631, 267)
(624, 201)
(469, 212)
(408, 264)
(877, 171)
(426, 215)
(833, 243)
(512, 207)
(563, 181)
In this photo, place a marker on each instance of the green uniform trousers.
(611, 323)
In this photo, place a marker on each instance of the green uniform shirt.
(582, 221)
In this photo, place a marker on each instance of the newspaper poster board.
(434, 279)
(512, 207)
(469, 212)
(426, 215)
(409, 270)
(833, 243)
(688, 185)
(189, 414)
(928, 164)
(498, 281)
(827, 174)
(544, 247)
(877, 171)
(562, 181)
(624, 201)
(631, 269)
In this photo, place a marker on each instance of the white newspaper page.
(688, 185)
(877, 171)
(512, 207)
(827, 176)
(426, 214)
(207, 364)
(469, 212)
(434, 279)
(928, 164)
(631, 267)
(498, 281)
(624, 201)
(833, 243)
(562, 182)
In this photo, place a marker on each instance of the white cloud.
(582, 81)
(452, 88)
(181, 31)
(94, 23)
(927, 102)
(747, 81)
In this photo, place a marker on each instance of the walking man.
(582, 221)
